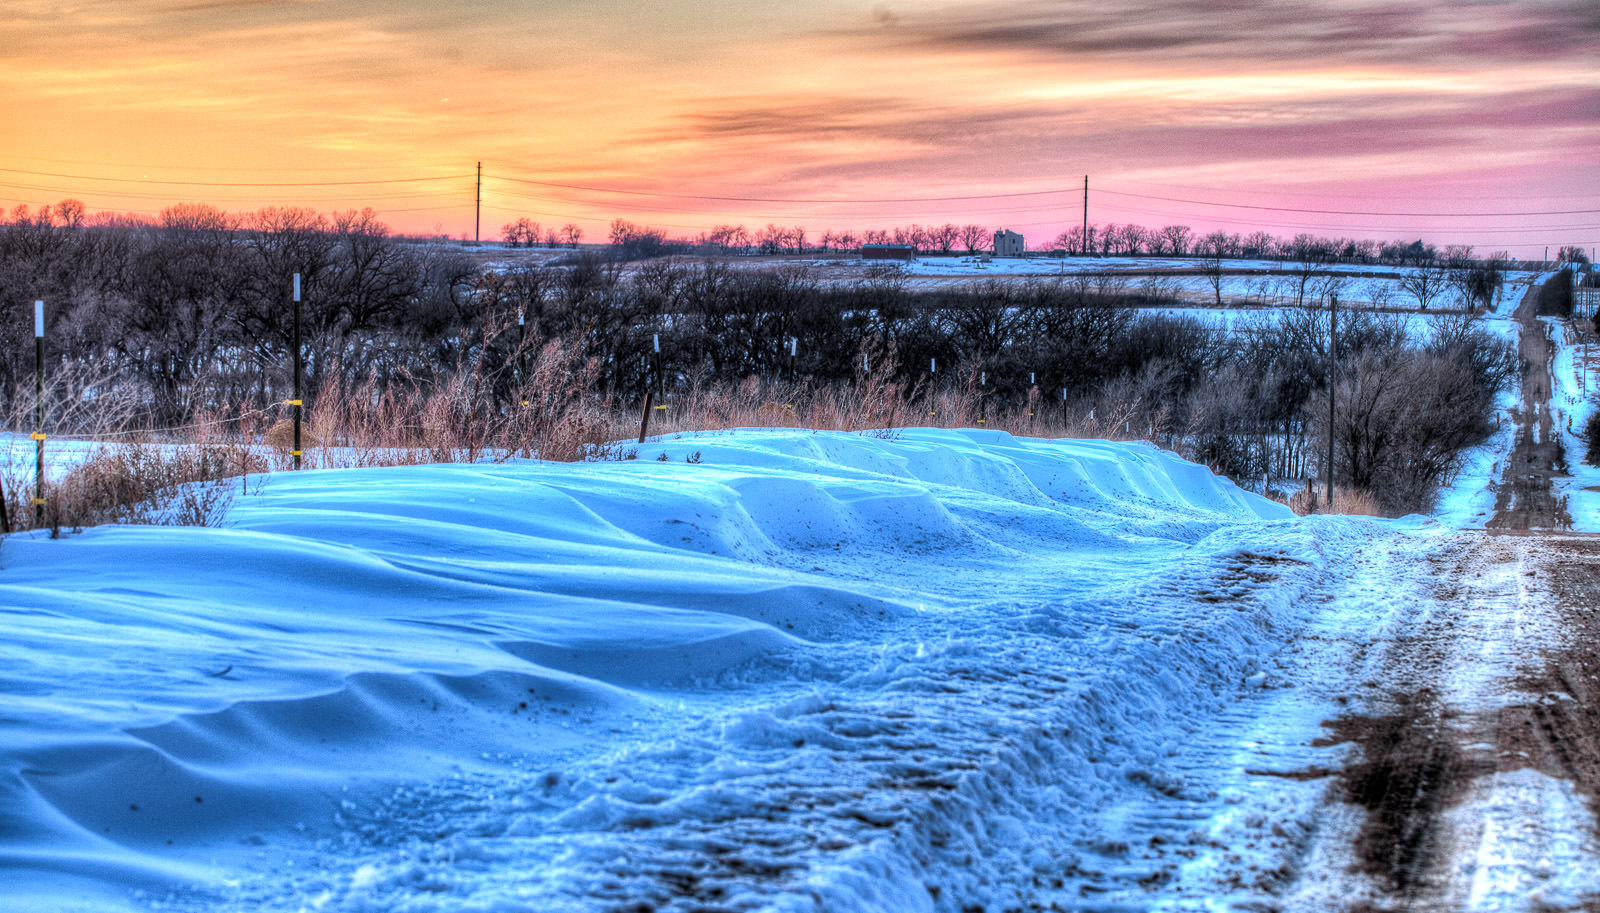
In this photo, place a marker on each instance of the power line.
(137, 195)
(145, 167)
(989, 214)
(1396, 229)
(1360, 212)
(86, 177)
(645, 207)
(1334, 196)
(722, 199)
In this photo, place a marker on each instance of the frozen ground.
(775, 670)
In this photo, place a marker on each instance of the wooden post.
(38, 414)
(983, 402)
(522, 352)
(297, 403)
(661, 389)
(644, 417)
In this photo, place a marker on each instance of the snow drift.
(777, 669)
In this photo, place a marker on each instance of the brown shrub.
(184, 484)
(280, 437)
(1347, 501)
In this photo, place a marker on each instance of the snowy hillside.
(777, 669)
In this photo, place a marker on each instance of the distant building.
(1008, 244)
(902, 252)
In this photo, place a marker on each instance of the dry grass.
(473, 413)
(1346, 501)
(144, 481)
(876, 401)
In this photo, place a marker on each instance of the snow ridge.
(806, 671)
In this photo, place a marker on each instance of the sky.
(1473, 122)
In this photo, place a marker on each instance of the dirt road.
(1525, 499)
(1478, 763)
(1478, 756)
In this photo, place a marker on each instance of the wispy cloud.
(1246, 33)
(863, 98)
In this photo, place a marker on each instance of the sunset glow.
(1460, 123)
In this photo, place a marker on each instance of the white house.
(1007, 244)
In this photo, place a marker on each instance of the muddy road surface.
(1525, 498)
(1476, 758)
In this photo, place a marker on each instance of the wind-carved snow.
(782, 670)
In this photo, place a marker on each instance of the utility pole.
(477, 207)
(297, 403)
(1333, 336)
(1085, 242)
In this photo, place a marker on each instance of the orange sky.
(1358, 110)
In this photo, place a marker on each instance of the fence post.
(661, 389)
(297, 402)
(520, 370)
(644, 417)
(38, 413)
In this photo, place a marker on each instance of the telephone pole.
(1333, 337)
(1085, 215)
(477, 208)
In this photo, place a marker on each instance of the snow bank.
(804, 670)
(1573, 382)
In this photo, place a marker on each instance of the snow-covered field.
(778, 669)
(1574, 386)
(1257, 282)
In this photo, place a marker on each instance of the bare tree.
(1211, 249)
(974, 238)
(70, 213)
(1302, 280)
(943, 237)
(1478, 282)
(521, 233)
(1425, 283)
(1178, 239)
(1258, 245)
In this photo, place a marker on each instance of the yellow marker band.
(524, 402)
(295, 453)
(38, 436)
(660, 407)
(292, 402)
(38, 502)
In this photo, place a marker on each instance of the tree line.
(190, 317)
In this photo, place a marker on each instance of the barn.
(902, 252)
